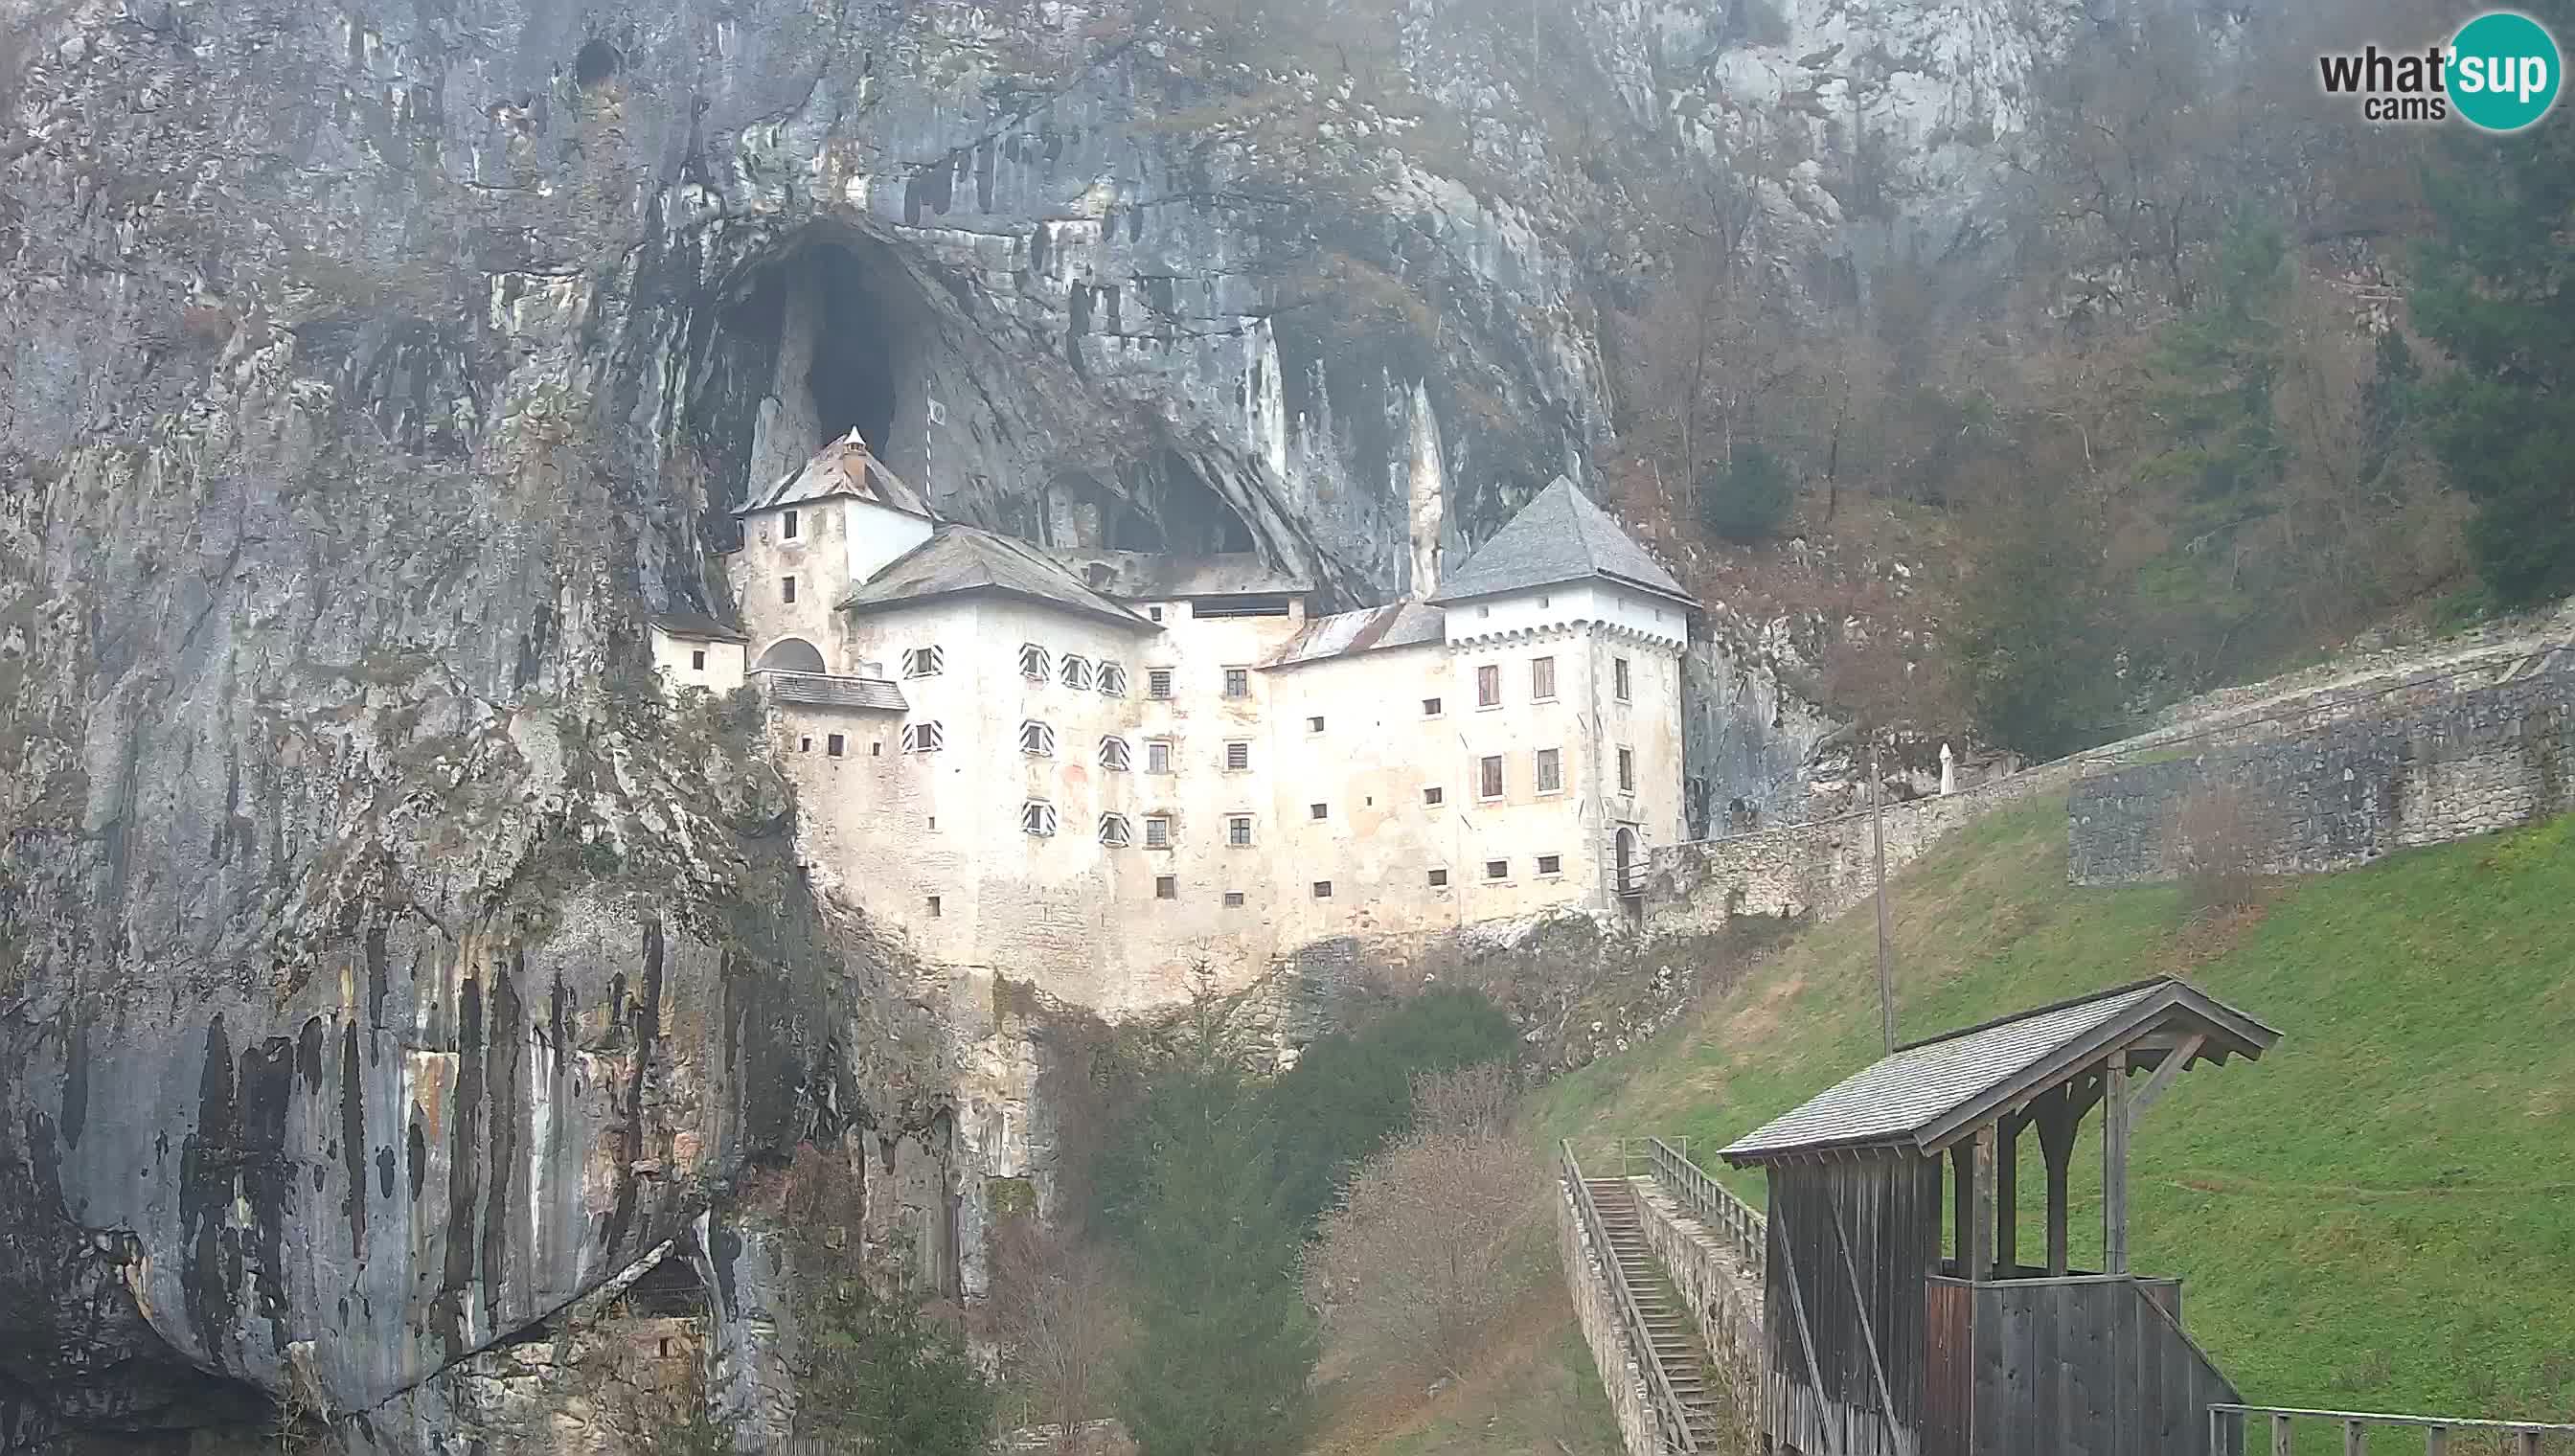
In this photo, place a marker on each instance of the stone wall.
(1596, 1306)
(2436, 761)
(1725, 1300)
(1823, 867)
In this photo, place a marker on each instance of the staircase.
(1675, 1340)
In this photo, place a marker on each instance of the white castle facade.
(1098, 771)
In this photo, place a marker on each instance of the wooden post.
(1877, 832)
(2281, 1436)
(2006, 1199)
(1962, 1203)
(1988, 1142)
(2114, 1165)
(2355, 1438)
(2056, 1146)
(2437, 1442)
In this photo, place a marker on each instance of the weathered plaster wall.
(2433, 764)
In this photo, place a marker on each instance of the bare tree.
(2219, 843)
(1059, 1318)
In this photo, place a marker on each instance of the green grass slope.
(2379, 1214)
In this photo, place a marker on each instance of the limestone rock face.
(384, 964)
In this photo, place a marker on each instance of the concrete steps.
(1676, 1344)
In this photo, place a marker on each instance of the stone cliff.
(384, 966)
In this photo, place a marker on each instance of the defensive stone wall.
(1596, 1308)
(2436, 760)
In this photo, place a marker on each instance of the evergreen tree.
(2497, 291)
(2031, 632)
(880, 1375)
(1748, 498)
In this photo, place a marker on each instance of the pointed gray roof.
(957, 559)
(1346, 634)
(1558, 537)
(1930, 1093)
(846, 466)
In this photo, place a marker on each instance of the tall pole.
(1877, 832)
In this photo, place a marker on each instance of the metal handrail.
(1715, 1205)
(1668, 1403)
(2225, 1419)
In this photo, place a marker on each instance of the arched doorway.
(1631, 880)
(790, 654)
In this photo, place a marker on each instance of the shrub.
(1747, 499)
(2219, 845)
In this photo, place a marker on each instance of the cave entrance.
(1175, 511)
(856, 342)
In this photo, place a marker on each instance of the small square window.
(792, 525)
(1037, 817)
(1543, 601)
(927, 662)
(1488, 777)
(1157, 683)
(1439, 880)
(1498, 869)
(1166, 886)
(1431, 708)
(1316, 811)
(1551, 771)
(1489, 686)
(696, 662)
(1237, 682)
(934, 908)
(1158, 832)
(1432, 795)
(834, 745)
(1619, 678)
(876, 749)
(1158, 757)
(1233, 900)
(1155, 613)
(1238, 830)
(1323, 889)
(1313, 725)
(787, 589)
(1627, 771)
(1542, 679)
(1238, 757)
(805, 746)
(1550, 865)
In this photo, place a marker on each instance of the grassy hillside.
(2380, 1214)
(1531, 1392)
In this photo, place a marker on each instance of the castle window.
(791, 526)
(1166, 886)
(1037, 739)
(1034, 664)
(1439, 880)
(698, 661)
(1627, 771)
(1550, 865)
(1076, 674)
(1619, 678)
(1113, 680)
(787, 589)
(927, 662)
(1157, 683)
(1432, 796)
(924, 738)
(1158, 756)
(1542, 679)
(934, 908)
(1158, 831)
(1155, 613)
(1112, 754)
(1313, 725)
(1238, 757)
(805, 746)
(1114, 831)
(1238, 830)
(1316, 811)
(1431, 708)
(1233, 900)
(1550, 771)
(1488, 777)
(1237, 682)
(1489, 686)
(1323, 889)
(1498, 869)
(1037, 817)
(834, 745)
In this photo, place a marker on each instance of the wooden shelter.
(1882, 1344)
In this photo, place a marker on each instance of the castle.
(1097, 770)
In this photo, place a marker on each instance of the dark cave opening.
(1182, 513)
(596, 62)
(858, 344)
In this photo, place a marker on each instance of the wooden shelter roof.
(1931, 1094)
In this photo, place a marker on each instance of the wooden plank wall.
(2086, 1367)
(1850, 1244)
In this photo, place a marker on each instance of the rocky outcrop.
(384, 966)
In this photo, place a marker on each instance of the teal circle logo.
(2504, 71)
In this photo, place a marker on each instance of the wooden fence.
(2230, 1429)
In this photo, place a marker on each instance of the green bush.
(1748, 498)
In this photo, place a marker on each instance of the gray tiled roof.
(697, 627)
(1558, 537)
(1406, 624)
(846, 466)
(1915, 1097)
(960, 559)
(818, 690)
